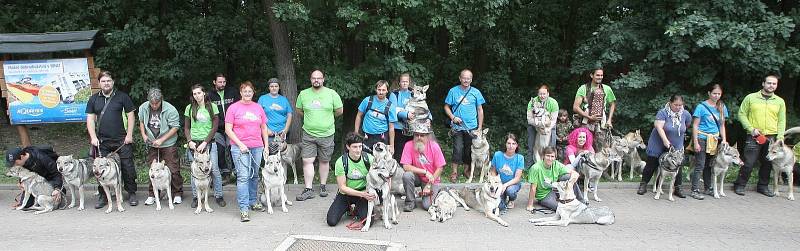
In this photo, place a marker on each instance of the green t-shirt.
(551, 105)
(356, 169)
(797, 152)
(202, 125)
(538, 174)
(318, 110)
(606, 89)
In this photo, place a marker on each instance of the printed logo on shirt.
(202, 117)
(250, 116)
(423, 160)
(377, 115)
(506, 169)
(276, 107)
(316, 104)
(466, 100)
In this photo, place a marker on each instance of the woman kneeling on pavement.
(351, 177)
(544, 172)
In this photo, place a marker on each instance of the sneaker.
(194, 203)
(738, 190)
(696, 194)
(149, 201)
(678, 193)
(221, 202)
(257, 207)
(409, 206)
(510, 205)
(306, 194)
(245, 217)
(766, 192)
(177, 200)
(503, 211)
(709, 192)
(323, 191)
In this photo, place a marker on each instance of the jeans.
(216, 177)
(247, 175)
(530, 160)
(702, 164)
(754, 152)
(509, 195)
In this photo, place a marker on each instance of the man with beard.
(222, 97)
(377, 114)
(423, 162)
(318, 106)
(763, 115)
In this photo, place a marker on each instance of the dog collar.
(565, 201)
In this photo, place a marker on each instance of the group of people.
(226, 121)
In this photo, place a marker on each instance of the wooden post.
(24, 137)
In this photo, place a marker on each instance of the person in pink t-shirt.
(423, 162)
(246, 127)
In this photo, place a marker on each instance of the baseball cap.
(12, 155)
(273, 80)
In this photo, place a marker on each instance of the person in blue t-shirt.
(668, 131)
(708, 129)
(464, 106)
(400, 96)
(509, 166)
(278, 110)
(376, 117)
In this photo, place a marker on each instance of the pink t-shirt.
(247, 120)
(432, 160)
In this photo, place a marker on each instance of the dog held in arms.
(480, 154)
(485, 198)
(35, 185)
(289, 154)
(572, 211)
(783, 160)
(445, 204)
(160, 177)
(726, 155)
(107, 171)
(76, 173)
(385, 181)
(668, 164)
(417, 106)
(201, 169)
(274, 177)
(541, 120)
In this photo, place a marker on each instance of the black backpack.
(385, 109)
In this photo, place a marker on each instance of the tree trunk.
(284, 66)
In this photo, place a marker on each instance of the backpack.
(385, 109)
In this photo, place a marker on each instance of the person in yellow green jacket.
(763, 115)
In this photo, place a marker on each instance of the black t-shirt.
(110, 127)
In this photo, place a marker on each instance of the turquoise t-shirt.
(506, 166)
(277, 109)
(374, 120)
(468, 109)
(706, 114)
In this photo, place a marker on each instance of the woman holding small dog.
(708, 128)
(509, 166)
(351, 177)
(543, 173)
(668, 131)
(246, 127)
(200, 124)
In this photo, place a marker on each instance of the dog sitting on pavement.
(289, 154)
(572, 211)
(160, 177)
(668, 164)
(445, 204)
(783, 160)
(201, 174)
(273, 176)
(36, 185)
(384, 180)
(592, 168)
(726, 155)
(480, 154)
(76, 173)
(485, 198)
(107, 171)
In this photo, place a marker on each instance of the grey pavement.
(736, 222)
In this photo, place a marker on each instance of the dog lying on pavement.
(273, 176)
(76, 173)
(201, 170)
(726, 155)
(384, 180)
(668, 164)
(480, 154)
(445, 204)
(107, 171)
(35, 185)
(783, 160)
(485, 198)
(572, 211)
(160, 177)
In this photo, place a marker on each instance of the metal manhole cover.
(315, 243)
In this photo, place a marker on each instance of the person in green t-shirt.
(199, 127)
(595, 103)
(550, 170)
(352, 181)
(318, 105)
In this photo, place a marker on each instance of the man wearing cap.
(42, 161)
(423, 162)
(278, 110)
(763, 115)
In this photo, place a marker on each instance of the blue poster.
(47, 91)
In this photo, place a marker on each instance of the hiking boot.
(245, 217)
(738, 190)
(221, 202)
(678, 193)
(323, 191)
(306, 194)
(257, 207)
(132, 200)
(766, 192)
(408, 207)
(642, 189)
(101, 202)
(194, 203)
(696, 195)
(709, 192)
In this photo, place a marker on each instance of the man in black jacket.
(222, 97)
(42, 161)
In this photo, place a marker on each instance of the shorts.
(314, 147)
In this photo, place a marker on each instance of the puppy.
(274, 177)
(76, 173)
(107, 171)
(201, 169)
(486, 198)
(480, 154)
(444, 206)
(34, 185)
(160, 177)
(783, 160)
(668, 164)
(726, 156)
(571, 210)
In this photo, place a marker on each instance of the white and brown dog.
(668, 164)
(783, 160)
(76, 173)
(160, 178)
(108, 174)
(201, 174)
(273, 176)
(36, 186)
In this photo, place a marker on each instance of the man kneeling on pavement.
(423, 162)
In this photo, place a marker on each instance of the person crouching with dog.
(351, 177)
(42, 161)
(550, 170)
(423, 162)
(509, 166)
